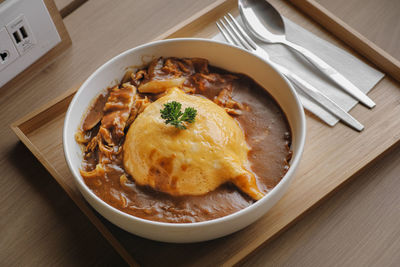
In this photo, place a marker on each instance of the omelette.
(212, 151)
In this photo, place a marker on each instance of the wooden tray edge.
(20, 129)
(218, 6)
(21, 122)
(350, 36)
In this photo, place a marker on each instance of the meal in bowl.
(181, 141)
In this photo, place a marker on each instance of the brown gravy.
(267, 133)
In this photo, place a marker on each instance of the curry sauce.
(104, 127)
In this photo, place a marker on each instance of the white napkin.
(358, 72)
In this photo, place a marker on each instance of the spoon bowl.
(266, 22)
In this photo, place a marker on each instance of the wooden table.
(40, 225)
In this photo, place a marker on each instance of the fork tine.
(230, 34)
(242, 32)
(234, 32)
(226, 34)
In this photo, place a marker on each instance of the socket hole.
(23, 32)
(3, 56)
(16, 37)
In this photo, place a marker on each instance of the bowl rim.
(293, 166)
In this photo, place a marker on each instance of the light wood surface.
(66, 7)
(61, 4)
(40, 225)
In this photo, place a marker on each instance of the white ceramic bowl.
(222, 55)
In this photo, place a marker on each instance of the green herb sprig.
(173, 115)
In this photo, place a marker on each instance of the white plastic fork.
(234, 34)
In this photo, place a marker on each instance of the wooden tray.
(331, 157)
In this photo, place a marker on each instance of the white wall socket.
(8, 52)
(21, 34)
(27, 32)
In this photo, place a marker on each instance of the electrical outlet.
(8, 53)
(21, 34)
(31, 31)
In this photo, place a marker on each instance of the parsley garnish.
(173, 115)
